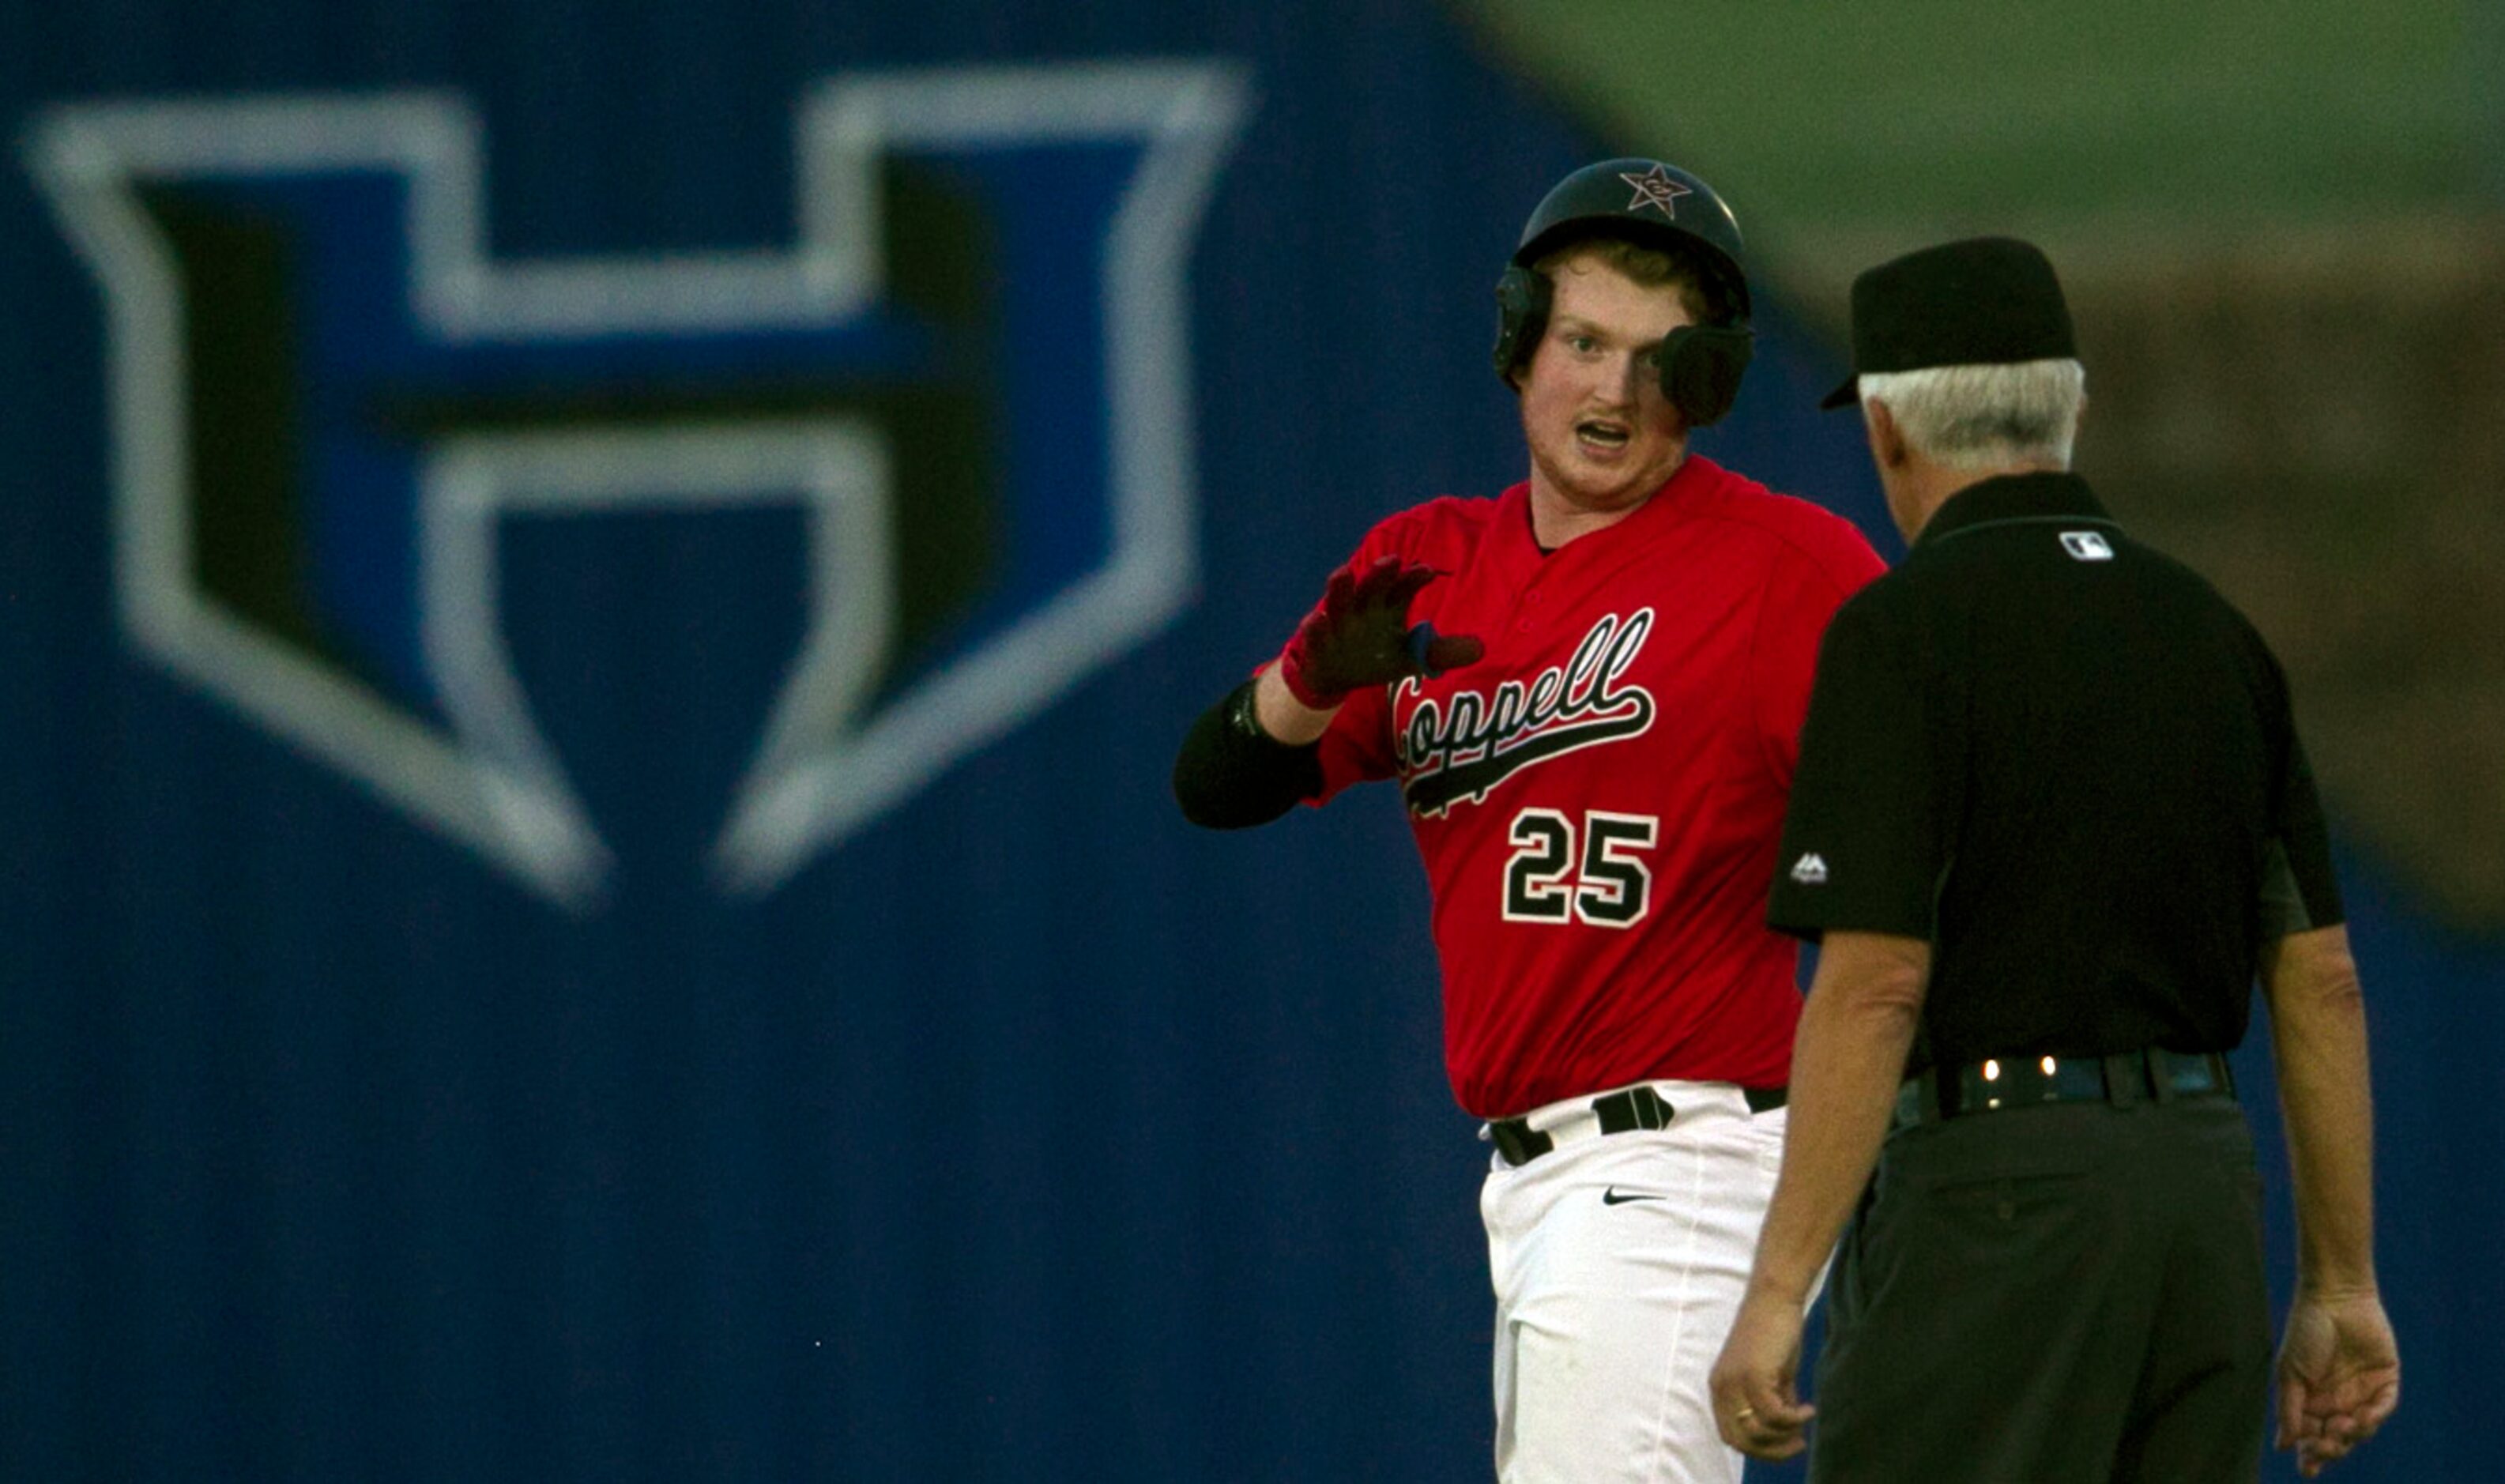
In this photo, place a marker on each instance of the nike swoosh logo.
(1612, 1197)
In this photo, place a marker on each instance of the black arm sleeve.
(1231, 774)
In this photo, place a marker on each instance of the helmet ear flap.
(1701, 366)
(1522, 299)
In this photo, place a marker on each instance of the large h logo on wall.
(330, 401)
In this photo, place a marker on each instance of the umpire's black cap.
(1982, 302)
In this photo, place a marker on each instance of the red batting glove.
(1359, 635)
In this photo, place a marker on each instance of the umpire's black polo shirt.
(2069, 763)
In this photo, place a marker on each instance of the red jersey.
(1599, 801)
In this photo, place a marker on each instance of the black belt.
(1620, 1112)
(2155, 1075)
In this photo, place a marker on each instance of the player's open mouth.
(1607, 434)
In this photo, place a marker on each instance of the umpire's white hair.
(1985, 416)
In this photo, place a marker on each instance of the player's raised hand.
(1359, 635)
(2339, 1377)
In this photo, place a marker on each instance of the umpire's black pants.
(2064, 1294)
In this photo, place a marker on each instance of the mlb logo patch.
(2087, 546)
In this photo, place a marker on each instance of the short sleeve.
(2298, 887)
(1799, 599)
(1861, 847)
(1357, 747)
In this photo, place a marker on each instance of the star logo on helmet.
(1656, 187)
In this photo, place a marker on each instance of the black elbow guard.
(1231, 774)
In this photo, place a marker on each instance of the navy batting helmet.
(1651, 204)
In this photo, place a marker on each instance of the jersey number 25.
(1612, 887)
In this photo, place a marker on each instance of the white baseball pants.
(1618, 1262)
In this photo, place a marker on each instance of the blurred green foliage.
(1827, 117)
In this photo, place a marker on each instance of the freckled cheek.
(1548, 415)
(1657, 419)
(1555, 390)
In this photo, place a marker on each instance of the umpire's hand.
(2338, 1376)
(1756, 1398)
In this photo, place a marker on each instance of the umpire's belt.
(1618, 1112)
(2154, 1075)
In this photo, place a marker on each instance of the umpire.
(2050, 818)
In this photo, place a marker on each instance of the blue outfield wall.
(599, 599)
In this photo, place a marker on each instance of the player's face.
(1603, 437)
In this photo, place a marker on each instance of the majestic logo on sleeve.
(968, 375)
(2087, 546)
(1456, 748)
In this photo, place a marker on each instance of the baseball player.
(1589, 689)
